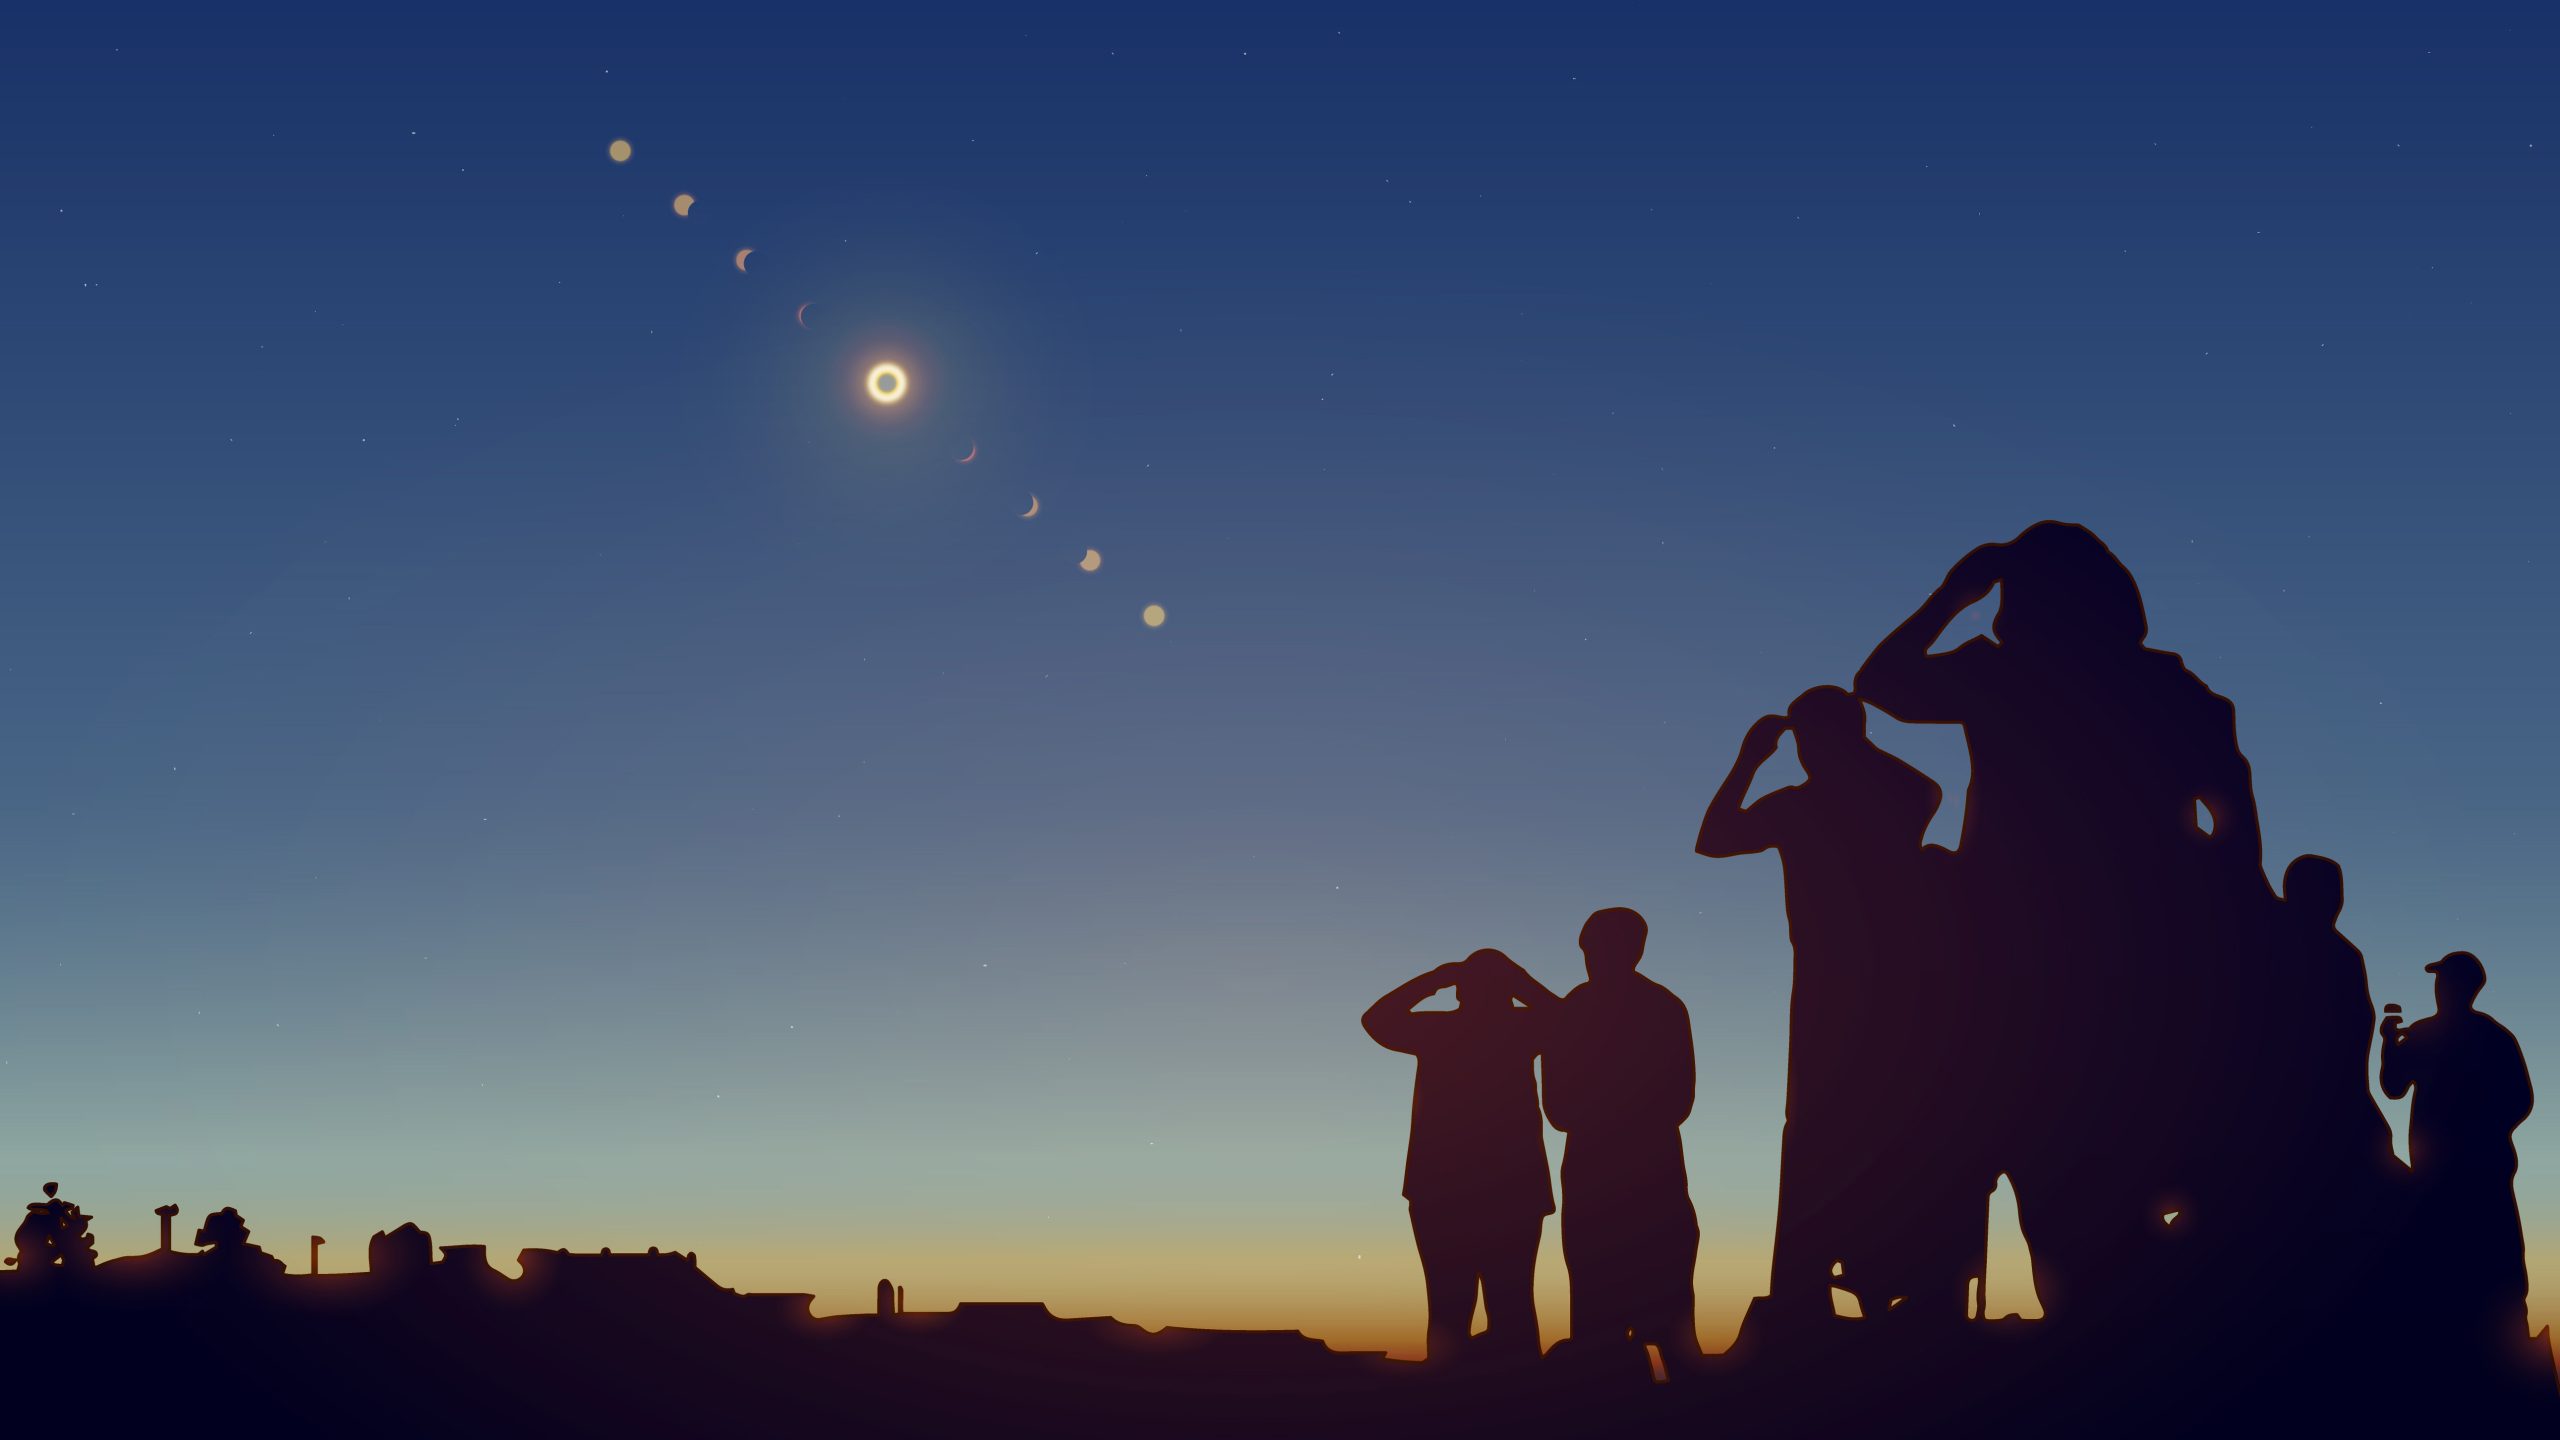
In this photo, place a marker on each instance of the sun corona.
(886, 384)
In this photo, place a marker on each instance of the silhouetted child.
(2473, 1091)
(1621, 1074)
(1475, 1172)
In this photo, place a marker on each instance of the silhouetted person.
(1475, 1171)
(1865, 1178)
(2298, 1176)
(2092, 890)
(1621, 1074)
(2324, 1041)
(2473, 1091)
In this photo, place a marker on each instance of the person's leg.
(1676, 1331)
(1510, 1267)
(1448, 1280)
(1799, 1264)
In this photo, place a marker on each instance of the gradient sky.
(494, 732)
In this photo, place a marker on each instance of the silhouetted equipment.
(167, 1213)
(885, 1302)
(1475, 1177)
(316, 1243)
(902, 1299)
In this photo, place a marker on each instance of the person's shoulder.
(2169, 670)
(2503, 1033)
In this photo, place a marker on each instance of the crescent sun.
(972, 455)
(800, 317)
(741, 261)
(1034, 510)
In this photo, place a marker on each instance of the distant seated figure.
(1621, 1074)
(2472, 1093)
(1475, 1171)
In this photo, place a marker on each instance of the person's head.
(2063, 592)
(1484, 981)
(2460, 977)
(2316, 889)
(1829, 724)
(1612, 943)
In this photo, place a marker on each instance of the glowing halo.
(886, 384)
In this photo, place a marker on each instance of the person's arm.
(1729, 829)
(1901, 677)
(1687, 1044)
(2395, 1064)
(2521, 1091)
(1559, 1087)
(1537, 998)
(1390, 1022)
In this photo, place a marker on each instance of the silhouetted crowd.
(2096, 994)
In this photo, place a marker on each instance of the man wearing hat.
(2472, 1093)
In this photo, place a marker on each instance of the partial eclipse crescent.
(741, 261)
(972, 455)
(684, 206)
(800, 317)
(1091, 562)
(1034, 510)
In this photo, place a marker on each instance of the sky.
(496, 730)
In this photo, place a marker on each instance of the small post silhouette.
(902, 1299)
(166, 1214)
(316, 1243)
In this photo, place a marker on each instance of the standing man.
(1875, 1181)
(1475, 1169)
(1621, 1073)
(2472, 1093)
